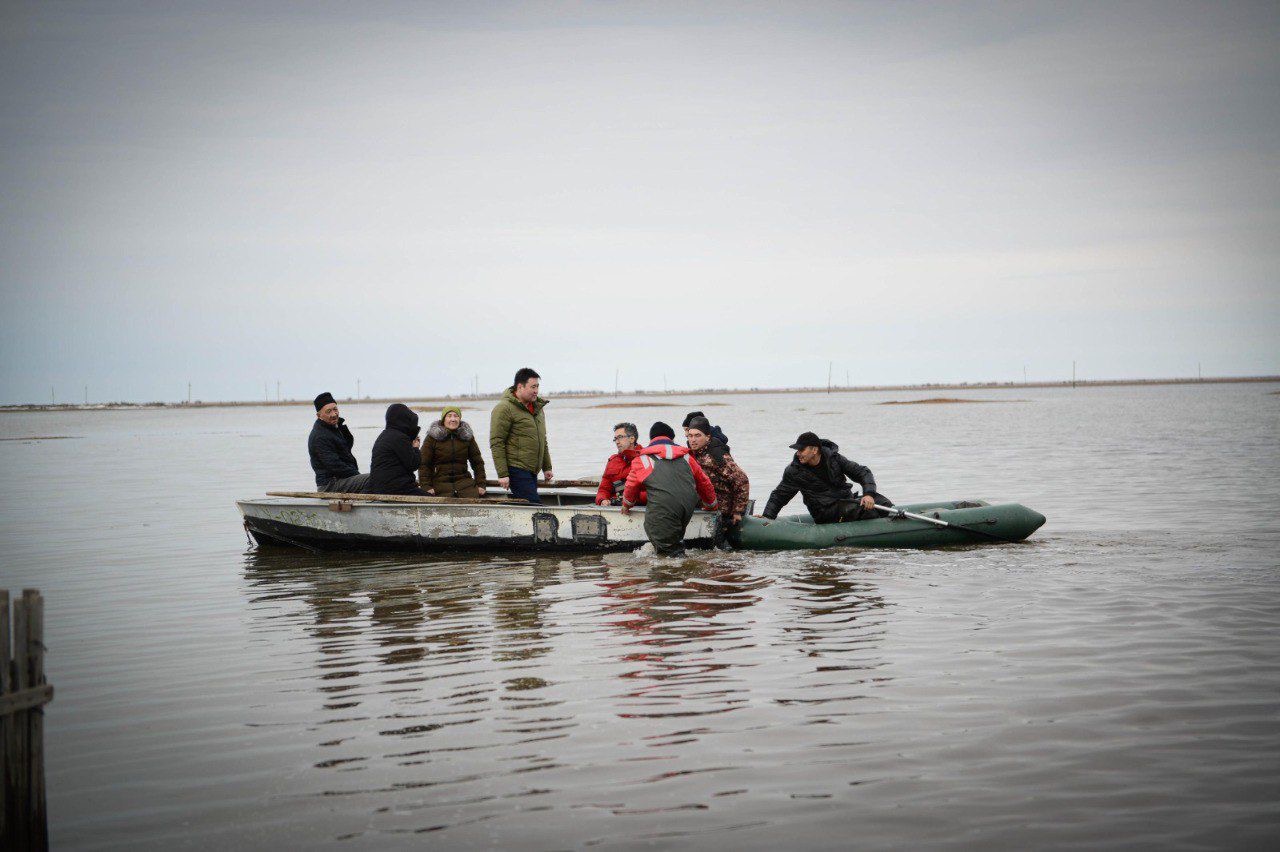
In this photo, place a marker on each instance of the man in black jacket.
(394, 466)
(330, 446)
(818, 474)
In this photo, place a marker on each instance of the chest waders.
(673, 498)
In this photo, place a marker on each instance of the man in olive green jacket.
(518, 437)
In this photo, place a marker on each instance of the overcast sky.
(728, 194)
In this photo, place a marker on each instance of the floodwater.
(1114, 682)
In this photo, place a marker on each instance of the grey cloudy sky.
(727, 194)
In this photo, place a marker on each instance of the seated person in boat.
(674, 484)
(818, 474)
(329, 445)
(730, 481)
(716, 432)
(626, 439)
(395, 455)
(449, 446)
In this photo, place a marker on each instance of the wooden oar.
(893, 510)
(396, 498)
(555, 483)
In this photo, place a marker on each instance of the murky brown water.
(1115, 682)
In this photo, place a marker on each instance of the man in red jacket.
(614, 478)
(674, 483)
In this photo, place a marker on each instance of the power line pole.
(1073, 374)
(52, 399)
(1199, 373)
(1024, 374)
(830, 365)
(86, 394)
(188, 393)
(277, 390)
(615, 381)
(357, 388)
(847, 383)
(664, 382)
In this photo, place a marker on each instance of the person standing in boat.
(818, 473)
(395, 454)
(449, 446)
(730, 481)
(329, 446)
(518, 437)
(674, 484)
(614, 479)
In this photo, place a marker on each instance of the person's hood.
(402, 418)
(462, 433)
(510, 396)
(718, 433)
(664, 448)
(716, 448)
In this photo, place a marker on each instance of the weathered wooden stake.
(23, 694)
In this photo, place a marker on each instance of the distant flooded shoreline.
(662, 395)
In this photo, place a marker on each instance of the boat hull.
(1009, 521)
(361, 526)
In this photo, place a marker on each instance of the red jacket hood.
(665, 448)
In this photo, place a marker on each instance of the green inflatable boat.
(963, 522)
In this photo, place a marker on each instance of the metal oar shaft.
(895, 511)
(936, 522)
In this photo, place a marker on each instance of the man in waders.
(675, 484)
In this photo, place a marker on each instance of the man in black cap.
(818, 474)
(330, 446)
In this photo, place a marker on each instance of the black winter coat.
(330, 449)
(823, 486)
(395, 458)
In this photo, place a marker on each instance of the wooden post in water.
(24, 822)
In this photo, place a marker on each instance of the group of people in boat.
(669, 480)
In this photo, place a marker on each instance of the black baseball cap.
(806, 439)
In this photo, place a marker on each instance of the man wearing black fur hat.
(330, 446)
(818, 474)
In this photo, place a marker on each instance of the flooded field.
(1115, 681)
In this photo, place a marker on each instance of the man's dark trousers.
(524, 485)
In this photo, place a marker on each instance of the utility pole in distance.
(357, 388)
(188, 393)
(277, 390)
(1073, 374)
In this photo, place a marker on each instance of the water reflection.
(479, 674)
